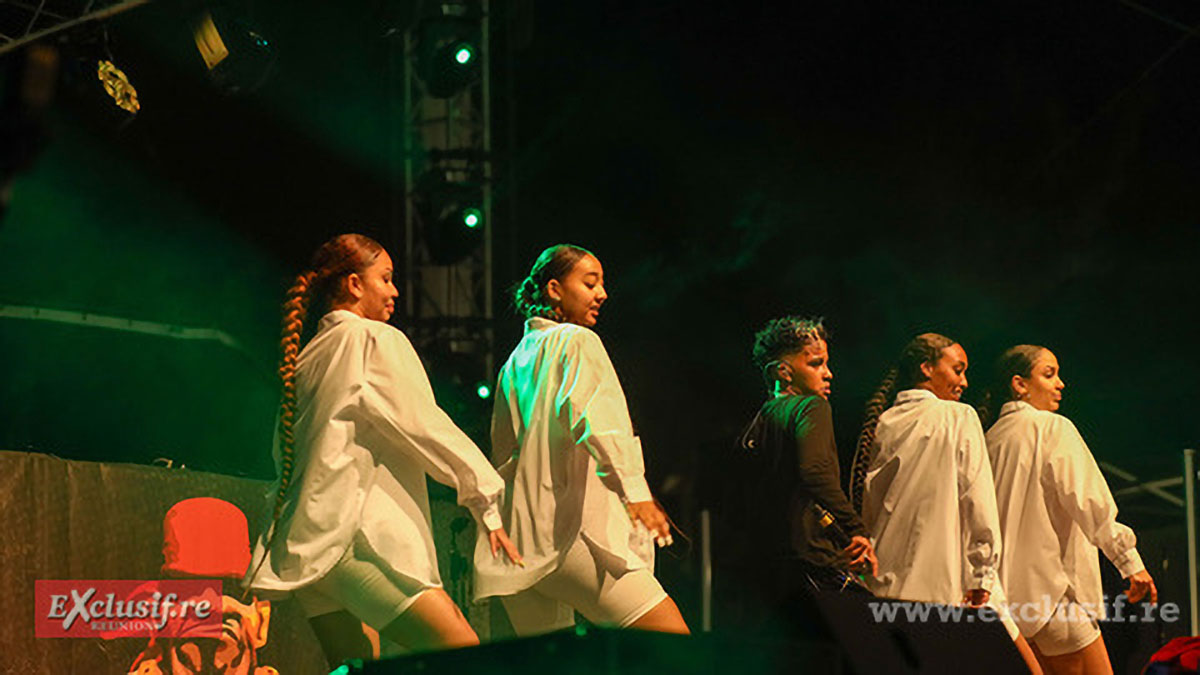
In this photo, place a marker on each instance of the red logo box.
(113, 608)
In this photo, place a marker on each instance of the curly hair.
(529, 296)
(905, 374)
(1016, 360)
(316, 288)
(783, 336)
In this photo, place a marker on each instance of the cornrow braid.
(876, 404)
(295, 310)
(529, 296)
(531, 301)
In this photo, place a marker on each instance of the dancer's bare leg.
(1091, 660)
(432, 622)
(664, 618)
(1031, 660)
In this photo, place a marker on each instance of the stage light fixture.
(483, 390)
(448, 56)
(472, 218)
(464, 53)
(97, 81)
(452, 217)
(239, 58)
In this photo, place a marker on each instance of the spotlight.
(452, 216)
(472, 218)
(95, 82)
(448, 55)
(463, 53)
(461, 382)
(239, 58)
(117, 85)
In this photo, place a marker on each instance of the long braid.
(907, 373)
(876, 404)
(317, 288)
(295, 310)
(343, 255)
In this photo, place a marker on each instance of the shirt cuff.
(1129, 563)
(491, 518)
(636, 489)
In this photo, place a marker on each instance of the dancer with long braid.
(1055, 512)
(359, 430)
(577, 504)
(927, 496)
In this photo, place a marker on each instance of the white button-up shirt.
(562, 436)
(1055, 510)
(929, 502)
(367, 432)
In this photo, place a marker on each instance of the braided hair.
(905, 374)
(529, 296)
(1016, 360)
(316, 288)
(783, 336)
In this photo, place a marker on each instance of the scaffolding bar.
(705, 572)
(1189, 491)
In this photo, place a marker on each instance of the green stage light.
(448, 59)
(483, 390)
(452, 217)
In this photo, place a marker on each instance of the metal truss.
(23, 22)
(448, 306)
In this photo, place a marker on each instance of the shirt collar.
(335, 317)
(1013, 406)
(913, 395)
(538, 323)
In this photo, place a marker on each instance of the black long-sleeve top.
(789, 460)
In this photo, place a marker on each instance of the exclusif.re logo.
(127, 608)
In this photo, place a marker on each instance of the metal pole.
(1149, 487)
(488, 222)
(1189, 491)
(705, 572)
(410, 254)
(97, 15)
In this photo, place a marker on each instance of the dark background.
(1001, 172)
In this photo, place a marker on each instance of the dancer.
(577, 504)
(359, 430)
(793, 509)
(1055, 511)
(928, 498)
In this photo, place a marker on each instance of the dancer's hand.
(1140, 584)
(499, 540)
(976, 597)
(651, 515)
(860, 551)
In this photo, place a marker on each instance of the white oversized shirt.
(562, 436)
(1055, 510)
(929, 503)
(367, 432)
